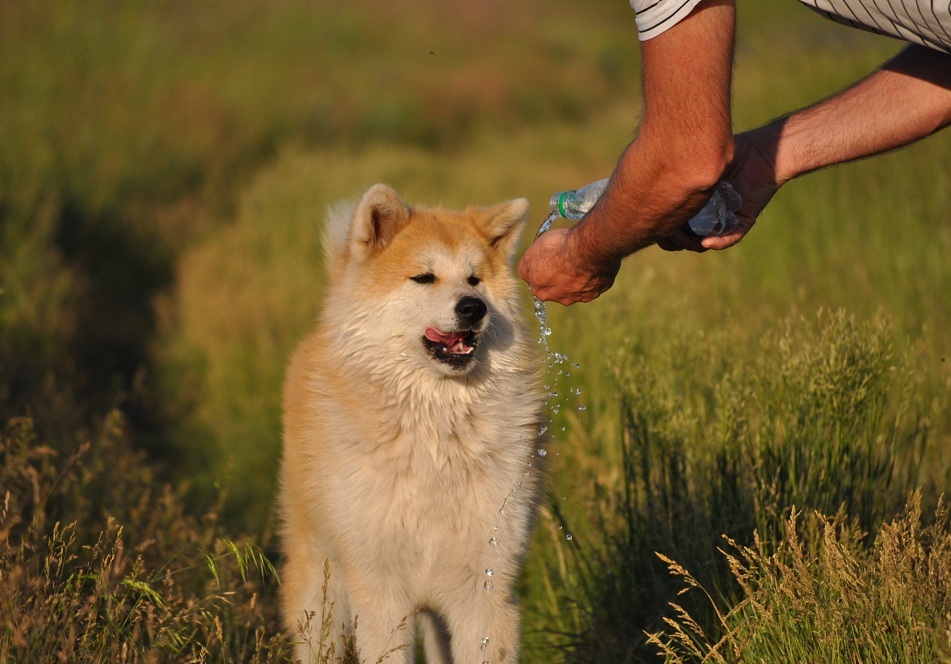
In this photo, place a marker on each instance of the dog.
(413, 440)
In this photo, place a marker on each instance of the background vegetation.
(757, 440)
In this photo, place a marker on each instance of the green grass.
(821, 419)
(163, 181)
(101, 562)
(846, 603)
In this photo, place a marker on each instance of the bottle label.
(561, 204)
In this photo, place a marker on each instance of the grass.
(162, 186)
(846, 603)
(102, 563)
(820, 420)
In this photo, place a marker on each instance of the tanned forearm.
(907, 99)
(684, 141)
(683, 144)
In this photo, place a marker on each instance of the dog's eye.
(474, 280)
(425, 278)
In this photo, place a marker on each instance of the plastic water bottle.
(717, 217)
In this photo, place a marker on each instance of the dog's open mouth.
(456, 349)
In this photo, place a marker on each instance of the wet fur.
(411, 477)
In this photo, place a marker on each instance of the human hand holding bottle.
(753, 174)
(556, 273)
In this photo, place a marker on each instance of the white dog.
(411, 439)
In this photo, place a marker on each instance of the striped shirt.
(925, 22)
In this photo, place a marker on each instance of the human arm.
(909, 98)
(665, 175)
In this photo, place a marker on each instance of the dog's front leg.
(484, 625)
(384, 626)
(315, 608)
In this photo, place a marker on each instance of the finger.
(681, 240)
(668, 244)
(721, 242)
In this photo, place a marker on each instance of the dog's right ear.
(379, 215)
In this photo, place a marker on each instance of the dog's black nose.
(470, 310)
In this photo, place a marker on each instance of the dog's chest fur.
(423, 462)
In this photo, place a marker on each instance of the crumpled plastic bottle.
(717, 217)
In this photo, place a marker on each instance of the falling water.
(553, 359)
(541, 313)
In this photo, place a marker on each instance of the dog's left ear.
(379, 215)
(503, 224)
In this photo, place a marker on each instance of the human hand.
(555, 273)
(752, 174)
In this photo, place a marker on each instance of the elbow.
(706, 163)
(690, 165)
(686, 168)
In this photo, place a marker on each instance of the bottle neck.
(558, 202)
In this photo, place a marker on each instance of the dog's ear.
(503, 224)
(379, 215)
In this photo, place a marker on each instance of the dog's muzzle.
(456, 348)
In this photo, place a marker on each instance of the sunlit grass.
(886, 603)
(102, 563)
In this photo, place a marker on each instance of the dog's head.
(428, 284)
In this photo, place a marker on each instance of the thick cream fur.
(411, 478)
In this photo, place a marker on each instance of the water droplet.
(582, 408)
(569, 537)
(542, 430)
(542, 452)
(493, 542)
(487, 586)
(484, 642)
(489, 571)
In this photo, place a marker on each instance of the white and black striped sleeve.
(925, 22)
(653, 17)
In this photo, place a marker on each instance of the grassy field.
(751, 446)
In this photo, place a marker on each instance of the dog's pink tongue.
(454, 342)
